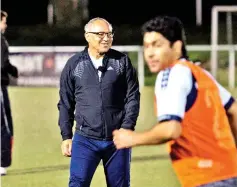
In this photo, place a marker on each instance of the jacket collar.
(105, 59)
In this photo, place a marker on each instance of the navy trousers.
(6, 129)
(87, 154)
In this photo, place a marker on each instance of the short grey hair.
(86, 28)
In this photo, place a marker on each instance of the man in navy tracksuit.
(6, 117)
(99, 88)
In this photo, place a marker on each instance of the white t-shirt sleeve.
(225, 95)
(171, 89)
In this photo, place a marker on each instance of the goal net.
(224, 42)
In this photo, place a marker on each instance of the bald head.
(96, 24)
(99, 35)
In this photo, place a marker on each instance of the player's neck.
(172, 62)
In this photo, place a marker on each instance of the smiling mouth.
(105, 45)
(154, 62)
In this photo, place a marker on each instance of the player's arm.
(160, 133)
(6, 66)
(171, 109)
(232, 115)
(230, 105)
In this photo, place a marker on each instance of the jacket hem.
(94, 137)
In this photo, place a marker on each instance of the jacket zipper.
(102, 111)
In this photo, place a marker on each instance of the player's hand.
(66, 147)
(123, 138)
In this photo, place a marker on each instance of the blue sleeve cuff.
(169, 118)
(229, 103)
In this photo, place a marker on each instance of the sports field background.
(37, 160)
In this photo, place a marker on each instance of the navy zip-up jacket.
(98, 105)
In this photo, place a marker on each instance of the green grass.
(37, 159)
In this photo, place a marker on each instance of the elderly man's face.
(99, 36)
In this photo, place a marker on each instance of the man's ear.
(177, 47)
(87, 37)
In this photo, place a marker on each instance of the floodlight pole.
(50, 12)
(199, 12)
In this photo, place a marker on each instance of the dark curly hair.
(170, 27)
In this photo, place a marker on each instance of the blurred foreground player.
(196, 115)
